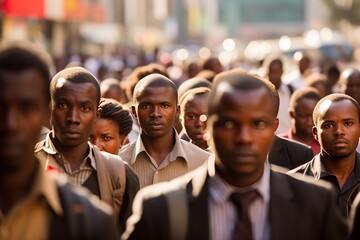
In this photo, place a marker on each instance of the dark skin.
(337, 130)
(74, 112)
(242, 130)
(155, 110)
(22, 107)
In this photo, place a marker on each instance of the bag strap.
(178, 214)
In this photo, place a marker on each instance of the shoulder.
(193, 150)
(302, 170)
(87, 212)
(127, 151)
(298, 181)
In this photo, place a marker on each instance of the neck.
(75, 155)
(340, 167)
(240, 180)
(159, 148)
(15, 185)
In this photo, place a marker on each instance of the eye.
(106, 138)
(191, 117)
(62, 105)
(259, 124)
(165, 105)
(85, 108)
(327, 125)
(229, 125)
(348, 124)
(144, 106)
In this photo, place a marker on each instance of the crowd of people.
(221, 154)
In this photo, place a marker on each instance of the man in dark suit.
(288, 153)
(242, 122)
(337, 128)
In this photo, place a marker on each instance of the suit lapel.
(198, 192)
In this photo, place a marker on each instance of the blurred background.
(113, 35)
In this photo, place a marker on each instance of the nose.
(339, 130)
(73, 116)
(155, 111)
(243, 135)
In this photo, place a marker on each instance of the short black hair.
(335, 97)
(306, 92)
(344, 78)
(190, 95)
(141, 72)
(115, 111)
(75, 75)
(241, 80)
(154, 80)
(191, 83)
(17, 56)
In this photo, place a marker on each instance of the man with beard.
(336, 127)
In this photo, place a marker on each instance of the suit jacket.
(289, 153)
(298, 209)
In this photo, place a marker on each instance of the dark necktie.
(242, 203)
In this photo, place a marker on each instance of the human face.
(22, 109)
(353, 87)
(243, 129)
(155, 111)
(275, 73)
(106, 136)
(193, 124)
(74, 111)
(337, 128)
(302, 116)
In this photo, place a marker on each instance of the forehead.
(67, 89)
(23, 84)
(342, 109)
(249, 101)
(162, 94)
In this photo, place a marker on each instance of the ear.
(124, 141)
(98, 112)
(315, 133)
(133, 110)
(178, 111)
(291, 113)
(276, 124)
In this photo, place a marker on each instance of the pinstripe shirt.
(183, 158)
(223, 212)
(55, 160)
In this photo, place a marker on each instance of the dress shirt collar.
(176, 152)
(50, 148)
(220, 190)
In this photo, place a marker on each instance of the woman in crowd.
(110, 131)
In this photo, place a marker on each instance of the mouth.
(156, 125)
(72, 134)
(340, 142)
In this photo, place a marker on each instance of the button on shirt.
(223, 212)
(52, 159)
(28, 219)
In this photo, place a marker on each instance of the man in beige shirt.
(159, 154)
(32, 204)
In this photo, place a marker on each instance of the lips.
(72, 133)
(156, 125)
(340, 142)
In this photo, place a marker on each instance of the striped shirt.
(55, 160)
(223, 212)
(183, 158)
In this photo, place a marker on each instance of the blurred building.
(67, 27)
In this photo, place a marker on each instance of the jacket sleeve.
(132, 187)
